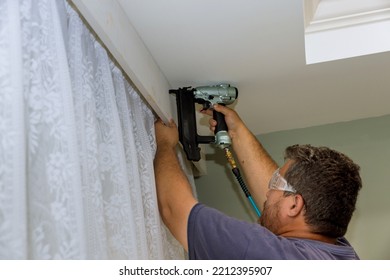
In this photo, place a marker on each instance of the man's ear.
(296, 205)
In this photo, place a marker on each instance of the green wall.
(366, 141)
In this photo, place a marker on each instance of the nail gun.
(186, 98)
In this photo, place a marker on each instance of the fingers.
(219, 108)
(170, 124)
(222, 109)
(213, 124)
(167, 135)
(207, 112)
(162, 129)
(158, 122)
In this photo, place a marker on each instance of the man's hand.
(232, 119)
(254, 160)
(166, 135)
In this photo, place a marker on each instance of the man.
(308, 202)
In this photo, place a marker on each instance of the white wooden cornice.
(348, 20)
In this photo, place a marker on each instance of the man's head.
(317, 187)
(329, 183)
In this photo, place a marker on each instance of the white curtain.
(76, 145)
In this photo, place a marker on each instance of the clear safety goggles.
(277, 182)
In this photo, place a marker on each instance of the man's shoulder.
(209, 230)
(212, 234)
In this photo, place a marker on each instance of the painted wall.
(366, 141)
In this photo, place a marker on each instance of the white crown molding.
(310, 7)
(348, 20)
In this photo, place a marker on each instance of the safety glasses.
(277, 182)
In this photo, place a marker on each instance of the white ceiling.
(258, 47)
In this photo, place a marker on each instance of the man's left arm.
(174, 193)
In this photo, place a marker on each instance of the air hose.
(240, 180)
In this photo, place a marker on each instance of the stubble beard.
(270, 217)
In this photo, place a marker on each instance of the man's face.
(272, 216)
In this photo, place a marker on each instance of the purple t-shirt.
(213, 235)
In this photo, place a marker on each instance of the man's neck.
(309, 235)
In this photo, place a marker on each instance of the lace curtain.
(76, 145)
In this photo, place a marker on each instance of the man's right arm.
(255, 162)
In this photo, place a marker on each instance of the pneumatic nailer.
(186, 98)
(207, 96)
